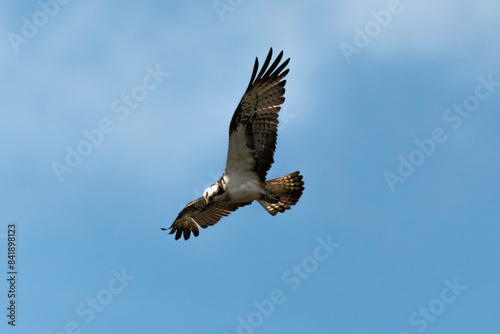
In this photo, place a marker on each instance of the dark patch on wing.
(257, 112)
(198, 214)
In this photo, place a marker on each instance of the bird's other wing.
(198, 214)
(254, 126)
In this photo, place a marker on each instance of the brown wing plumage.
(254, 126)
(198, 214)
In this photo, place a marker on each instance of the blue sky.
(391, 115)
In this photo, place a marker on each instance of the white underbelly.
(243, 187)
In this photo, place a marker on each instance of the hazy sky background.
(402, 182)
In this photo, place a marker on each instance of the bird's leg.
(271, 198)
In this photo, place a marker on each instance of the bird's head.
(213, 193)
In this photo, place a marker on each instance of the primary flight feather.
(252, 141)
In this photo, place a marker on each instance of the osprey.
(252, 141)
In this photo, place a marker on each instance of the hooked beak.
(208, 200)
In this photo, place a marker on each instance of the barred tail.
(288, 188)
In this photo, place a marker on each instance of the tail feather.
(289, 188)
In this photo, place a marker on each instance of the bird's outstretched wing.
(254, 126)
(199, 214)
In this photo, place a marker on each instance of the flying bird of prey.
(252, 141)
